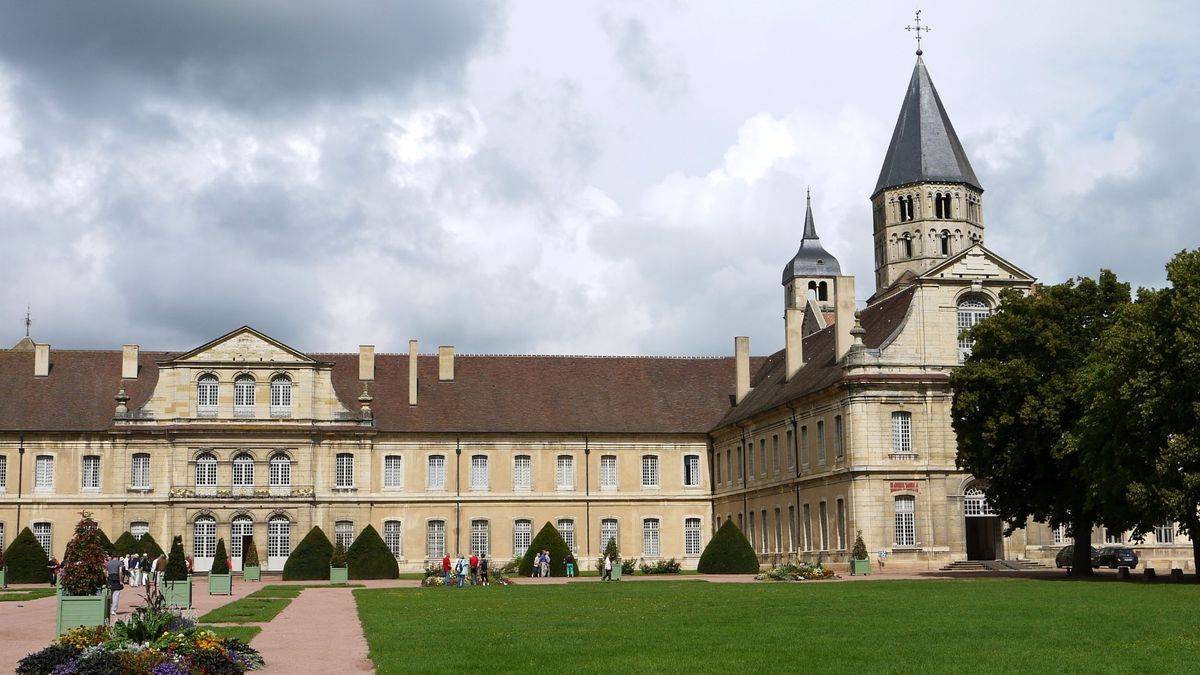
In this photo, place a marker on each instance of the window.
(280, 471)
(343, 474)
(821, 442)
(523, 472)
(522, 536)
(944, 241)
(805, 451)
(902, 433)
(791, 449)
(740, 523)
(206, 395)
(3, 473)
(791, 528)
(906, 247)
(975, 503)
(435, 539)
(649, 471)
(729, 466)
(566, 527)
(243, 396)
(139, 471)
(206, 471)
(691, 470)
(808, 538)
(204, 537)
(1111, 537)
(139, 529)
(279, 537)
(564, 472)
(751, 533)
(1165, 534)
(778, 531)
(841, 524)
(343, 533)
(3, 539)
(479, 472)
(608, 472)
(393, 472)
(436, 479)
(839, 444)
(608, 532)
(43, 473)
(749, 459)
(906, 521)
(941, 205)
(766, 538)
(651, 547)
(717, 468)
(691, 536)
(240, 528)
(775, 450)
(762, 455)
(41, 531)
(739, 463)
(906, 208)
(971, 310)
(91, 472)
(479, 537)
(281, 396)
(393, 537)
(243, 471)
(1058, 535)
(824, 523)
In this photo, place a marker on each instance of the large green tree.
(1018, 404)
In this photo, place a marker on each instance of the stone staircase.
(994, 566)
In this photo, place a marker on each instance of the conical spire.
(924, 146)
(812, 260)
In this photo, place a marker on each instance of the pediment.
(977, 262)
(244, 345)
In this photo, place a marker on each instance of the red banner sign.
(906, 486)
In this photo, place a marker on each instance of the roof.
(820, 369)
(812, 260)
(924, 147)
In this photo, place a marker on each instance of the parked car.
(1117, 556)
(1064, 557)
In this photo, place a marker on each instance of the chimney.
(129, 362)
(366, 362)
(446, 363)
(844, 321)
(741, 349)
(793, 325)
(412, 372)
(41, 360)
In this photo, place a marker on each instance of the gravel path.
(318, 633)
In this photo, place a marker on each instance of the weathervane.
(918, 29)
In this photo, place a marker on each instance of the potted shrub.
(26, 561)
(612, 552)
(728, 552)
(220, 581)
(177, 583)
(370, 558)
(250, 569)
(3, 569)
(309, 561)
(339, 573)
(83, 589)
(860, 559)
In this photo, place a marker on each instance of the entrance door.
(204, 543)
(981, 527)
(241, 527)
(279, 542)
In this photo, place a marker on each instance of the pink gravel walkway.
(318, 633)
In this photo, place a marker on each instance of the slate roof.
(924, 146)
(812, 259)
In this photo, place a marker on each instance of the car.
(1117, 556)
(1063, 559)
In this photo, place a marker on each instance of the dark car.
(1064, 557)
(1117, 556)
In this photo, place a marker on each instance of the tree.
(547, 539)
(26, 560)
(176, 562)
(728, 552)
(612, 552)
(310, 559)
(83, 563)
(250, 551)
(370, 558)
(1018, 406)
(220, 563)
(150, 547)
(859, 550)
(126, 544)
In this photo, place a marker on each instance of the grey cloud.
(646, 63)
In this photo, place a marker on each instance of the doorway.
(981, 527)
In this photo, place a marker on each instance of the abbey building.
(845, 428)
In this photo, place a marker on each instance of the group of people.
(541, 564)
(129, 570)
(474, 569)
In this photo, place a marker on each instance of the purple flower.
(170, 668)
(67, 668)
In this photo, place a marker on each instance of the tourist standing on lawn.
(546, 563)
(570, 561)
(474, 569)
(460, 568)
(446, 569)
(607, 569)
(483, 565)
(114, 569)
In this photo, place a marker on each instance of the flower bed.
(792, 572)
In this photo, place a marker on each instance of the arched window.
(243, 470)
(906, 246)
(944, 240)
(241, 527)
(280, 472)
(206, 472)
(812, 290)
(971, 310)
(206, 395)
(279, 541)
(823, 291)
(281, 396)
(975, 504)
(243, 396)
(941, 204)
(204, 537)
(906, 208)
(343, 532)
(392, 536)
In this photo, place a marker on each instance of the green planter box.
(3, 577)
(178, 593)
(82, 610)
(616, 573)
(252, 573)
(339, 575)
(860, 567)
(220, 584)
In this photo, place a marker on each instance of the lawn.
(23, 595)
(243, 633)
(988, 625)
(247, 610)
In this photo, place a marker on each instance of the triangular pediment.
(244, 345)
(977, 262)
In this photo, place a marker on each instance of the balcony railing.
(226, 492)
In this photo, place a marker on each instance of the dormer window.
(281, 396)
(243, 396)
(206, 396)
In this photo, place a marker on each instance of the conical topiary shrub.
(150, 547)
(859, 550)
(26, 560)
(126, 544)
(176, 563)
(106, 544)
(83, 562)
(309, 561)
(547, 539)
(249, 553)
(220, 564)
(728, 552)
(370, 558)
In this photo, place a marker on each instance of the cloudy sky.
(549, 177)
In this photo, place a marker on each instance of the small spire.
(28, 320)
(810, 227)
(918, 29)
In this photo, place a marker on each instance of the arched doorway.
(981, 527)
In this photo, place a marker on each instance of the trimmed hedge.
(27, 562)
(150, 547)
(309, 561)
(370, 558)
(220, 563)
(547, 539)
(728, 552)
(176, 563)
(249, 552)
(106, 543)
(127, 545)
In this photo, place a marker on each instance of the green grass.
(23, 595)
(979, 625)
(277, 592)
(243, 633)
(247, 610)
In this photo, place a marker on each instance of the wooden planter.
(860, 567)
(220, 584)
(252, 573)
(82, 610)
(178, 593)
(339, 575)
(615, 573)
(3, 577)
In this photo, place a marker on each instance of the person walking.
(460, 568)
(446, 569)
(607, 569)
(483, 570)
(114, 568)
(570, 561)
(474, 569)
(160, 569)
(52, 565)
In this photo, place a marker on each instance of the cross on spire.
(28, 320)
(918, 29)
